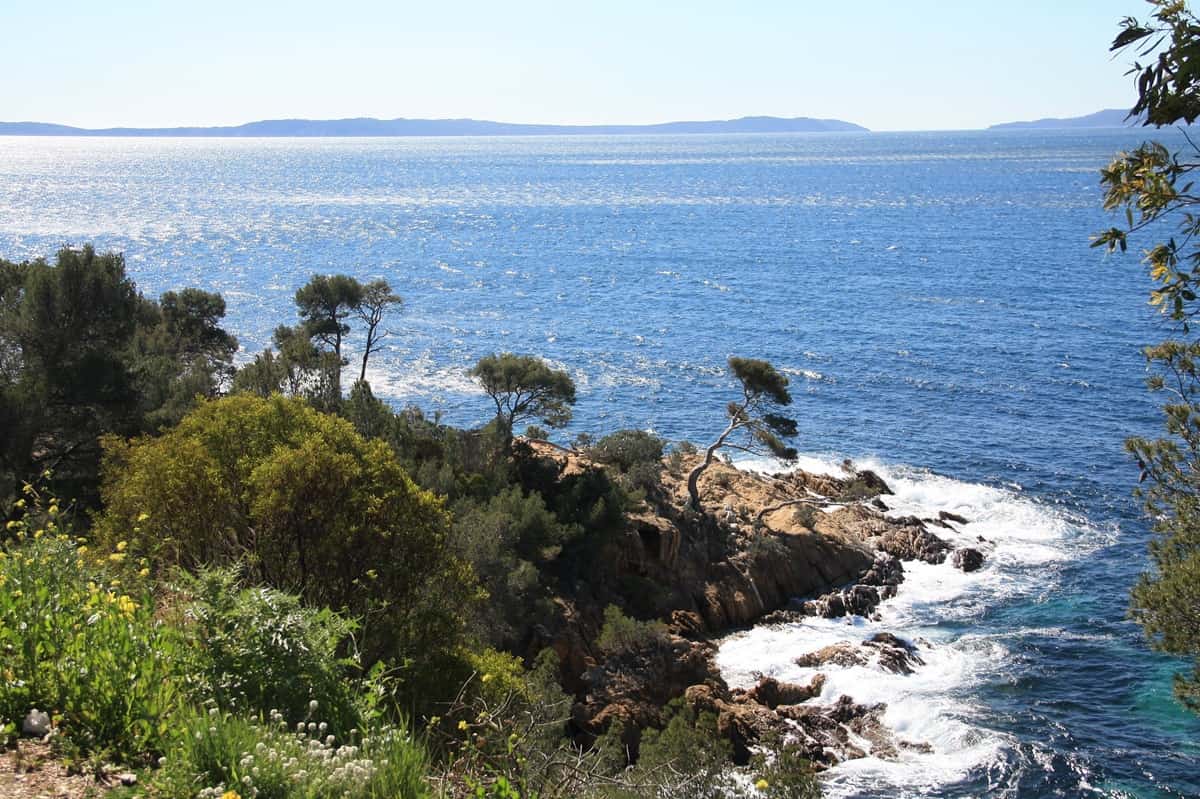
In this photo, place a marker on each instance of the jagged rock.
(841, 654)
(886, 570)
(857, 600)
(968, 559)
(686, 623)
(912, 542)
(36, 724)
(744, 724)
(784, 616)
(634, 686)
(947, 516)
(878, 504)
(895, 654)
(872, 481)
(772, 693)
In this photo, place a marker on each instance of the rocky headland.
(763, 549)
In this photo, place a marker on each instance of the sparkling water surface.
(932, 297)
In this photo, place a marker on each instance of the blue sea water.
(932, 297)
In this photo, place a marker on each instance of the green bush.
(625, 449)
(261, 649)
(622, 634)
(77, 642)
(308, 505)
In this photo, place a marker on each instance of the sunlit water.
(932, 297)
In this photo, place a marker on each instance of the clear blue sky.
(886, 64)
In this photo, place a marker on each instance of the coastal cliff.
(766, 548)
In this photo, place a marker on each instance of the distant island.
(1108, 118)
(438, 127)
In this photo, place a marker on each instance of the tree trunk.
(710, 454)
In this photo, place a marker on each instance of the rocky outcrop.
(910, 540)
(857, 600)
(893, 655)
(763, 541)
(634, 686)
(773, 693)
(968, 559)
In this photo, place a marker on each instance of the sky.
(885, 64)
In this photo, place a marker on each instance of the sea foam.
(936, 705)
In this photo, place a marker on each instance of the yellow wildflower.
(20, 503)
(762, 785)
(121, 545)
(486, 678)
(144, 573)
(82, 550)
(231, 795)
(462, 725)
(126, 605)
(117, 557)
(142, 517)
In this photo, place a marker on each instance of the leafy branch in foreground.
(1152, 184)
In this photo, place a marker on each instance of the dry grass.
(32, 772)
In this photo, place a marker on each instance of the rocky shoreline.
(768, 549)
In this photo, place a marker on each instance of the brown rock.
(772, 693)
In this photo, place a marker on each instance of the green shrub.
(626, 448)
(261, 649)
(219, 752)
(78, 643)
(622, 634)
(308, 505)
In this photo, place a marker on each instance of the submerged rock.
(947, 516)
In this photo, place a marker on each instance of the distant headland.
(1107, 118)
(439, 127)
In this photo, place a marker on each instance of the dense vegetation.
(261, 587)
(1152, 185)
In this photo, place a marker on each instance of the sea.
(932, 297)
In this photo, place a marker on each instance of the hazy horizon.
(912, 68)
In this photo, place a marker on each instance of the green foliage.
(307, 505)
(1152, 184)
(754, 425)
(784, 773)
(77, 642)
(376, 299)
(688, 746)
(260, 649)
(626, 449)
(524, 387)
(621, 634)
(324, 303)
(298, 369)
(505, 539)
(637, 456)
(217, 752)
(82, 353)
